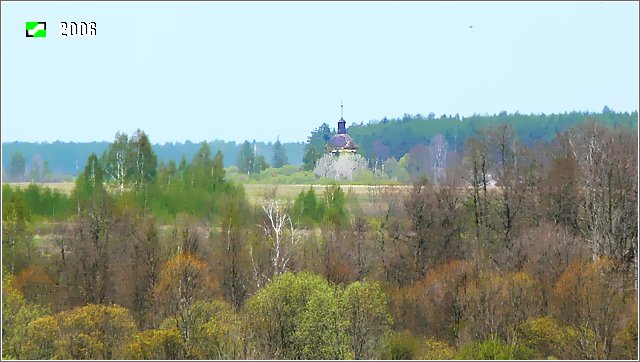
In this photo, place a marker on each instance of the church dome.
(341, 141)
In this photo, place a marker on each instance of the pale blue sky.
(248, 70)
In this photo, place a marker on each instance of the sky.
(240, 71)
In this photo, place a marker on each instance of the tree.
(492, 348)
(260, 164)
(433, 305)
(246, 158)
(145, 256)
(15, 234)
(279, 155)
(183, 281)
(366, 311)
(321, 330)
(610, 188)
(90, 181)
(324, 166)
(495, 304)
(248, 161)
(90, 332)
(216, 331)
(233, 253)
(217, 171)
(294, 317)
(563, 185)
(155, 344)
(549, 338)
(85, 254)
(433, 349)
(342, 167)
(18, 166)
(200, 167)
(116, 161)
(346, 166)
(315, 147)
(16, 315)
(419, 163)
(306, 209)
(394, 170)
(591, 297)
(144, 162)
(281, 237)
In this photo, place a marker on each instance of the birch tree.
(115, 160)
(280, 237)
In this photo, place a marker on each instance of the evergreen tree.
(279, 155)
(316, 145)
(246, 158)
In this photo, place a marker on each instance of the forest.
(508, 240)
(381, 142)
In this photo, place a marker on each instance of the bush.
(494, 348)
(402, 346)
(433, 349)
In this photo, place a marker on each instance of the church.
(341, 142)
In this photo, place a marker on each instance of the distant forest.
(69, 158)
(378, 139)
(396, 137)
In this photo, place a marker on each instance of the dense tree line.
(58, 160)
(380, 140)
(518, 250)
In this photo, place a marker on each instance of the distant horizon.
(462, 117)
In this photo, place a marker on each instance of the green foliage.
(433, 349)
(37, 201)
(129, 161)
(493, 348)
(366, 312)
(402, 134)
(306, 209)
(628, 338)
(279, 155)
(316, 146)
(216, 331)
(155, 344)
(144, 162)
(16, 238)
(403, 346)
(275, 312)
(546, 336)
(303, 316)
(321, 331)
(16, 315)
(248, 161)
(334, 211)
(90, 332)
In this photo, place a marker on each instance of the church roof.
(341, 140)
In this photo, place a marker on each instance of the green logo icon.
(36, 29)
